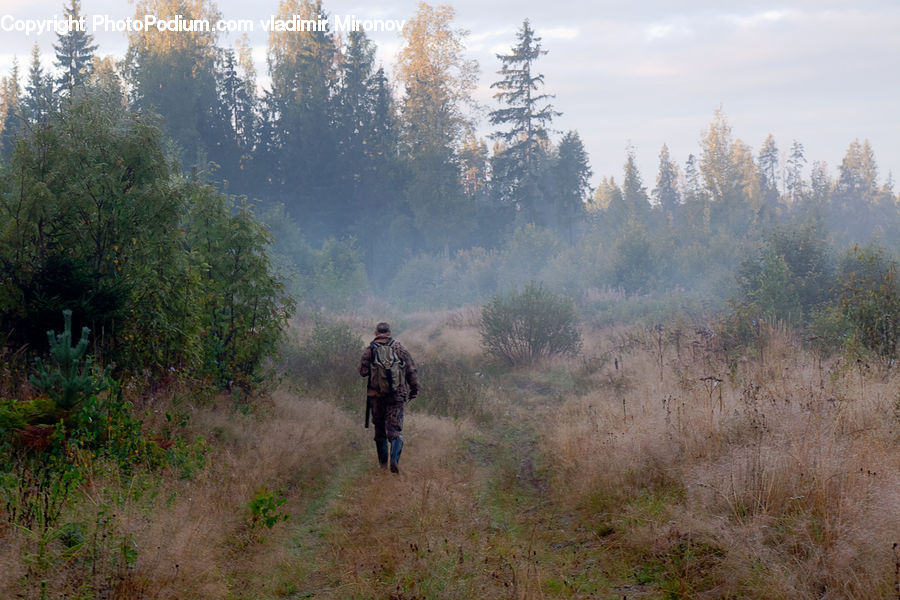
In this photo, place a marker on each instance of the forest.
(678, 384)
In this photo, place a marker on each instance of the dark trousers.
(387, 417)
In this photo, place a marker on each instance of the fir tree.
(572, 173)
(302, 65)
(10, 96)
(793, 180)
(768, 172)
(74, 53)
(528, 115)
(634, 193)
(39, 97)
(666, 192)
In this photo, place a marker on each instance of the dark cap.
(383, 328)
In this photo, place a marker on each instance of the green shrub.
(265, 508)
(789, 277)
(455, 387)
(338, 276)
(634, 263)
(523, 327)
(423, 281)
(329, 349)
(870, 300)
(772, 290)
(525, 253)
(326, 359)
(242, 302)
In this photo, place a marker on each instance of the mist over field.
(677, 382)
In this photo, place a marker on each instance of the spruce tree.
(39, 97)
(527, 114)
(634, 193)
(793, 180)
(172, 73)
(302, 65)
(10, 98)
(572, 173)
(232, 139)
(768, 172)
(74, 53)
(666, 192)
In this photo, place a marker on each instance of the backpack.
(387, 370)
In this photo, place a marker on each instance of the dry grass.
(654, 466)
(192, 537)
(787, 470)
(388, 529)
(293, 446)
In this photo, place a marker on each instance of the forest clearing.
(648, 467)
(678, 384)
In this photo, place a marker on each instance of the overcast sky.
(645, 73)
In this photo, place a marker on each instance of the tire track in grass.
(471, 515)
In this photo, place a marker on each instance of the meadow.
(657, 463)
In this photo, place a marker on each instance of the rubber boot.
(382, 447)
(396, 447)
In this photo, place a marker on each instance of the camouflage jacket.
(410, 384)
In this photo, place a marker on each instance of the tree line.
(369, 181)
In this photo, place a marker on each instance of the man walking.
(392, 380)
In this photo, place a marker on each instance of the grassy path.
(470, 516)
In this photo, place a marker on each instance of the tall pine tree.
(39, 97)
(74, 53)
(666, 192)
(172, 73)
(572, 173)
(518, 168)
(306, 174)
(10, 97)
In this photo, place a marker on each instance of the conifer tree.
(354, 117)
(74, 53)
(39, 97)
(768, 162)
(302, 65)
(233, 137)
(666, 191)
(572, 174)
(793, 178)
(527, 114)
(634, 193)
(10, 97)
(696, 198)
(172, 73)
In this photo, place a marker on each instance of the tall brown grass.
(656, 465)
(784, 466)
(192, 537)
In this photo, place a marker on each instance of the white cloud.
(492, 33)
(761, 18)
(654, 69)
(559, 33)
(660, 31)
(501, 49)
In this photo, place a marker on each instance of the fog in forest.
(677, 381)
(378, 186)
